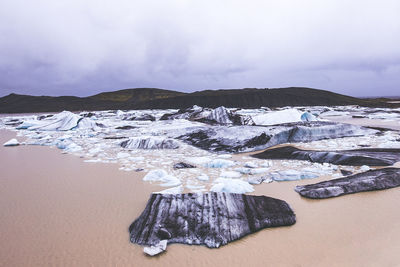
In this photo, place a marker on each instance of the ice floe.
(162, 176)
(150, 142)
(220, 163)
(11, 142)
(292, 175)
(278, 117)
(231, 186)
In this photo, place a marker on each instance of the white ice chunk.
(11, 142)
(220, 163)
(250, 164)
(278, 117)
(63, 121)
(364, 168)
(172, 190)
(231, 186)
(251, 171)
(307, 116)
(230, 174)
(87, 124)
(150, 142)
(156, 249)
(122, 155)
(292, 175)
(203, 177)
(198, 160)
(162, 176)
(225, 156)
(220, 115)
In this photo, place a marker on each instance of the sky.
(83, 47)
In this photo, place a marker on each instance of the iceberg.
(162, 176)
(231, 186)
(172, 190)
(292, 175)
(307, 116)
(259, 180)
(252, 171)
(230, 174)
(278, 117)
(211, 219)
(156, 249)
(63, 121)
(220, 163)
(150, 142)
(11, 142)
(219, 115)
(203, 177)
(356, 157)
(367, 181)
(235, 139)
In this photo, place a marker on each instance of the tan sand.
(57, 210)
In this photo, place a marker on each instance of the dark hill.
(136, 95)
(253, 98)
(153, 98)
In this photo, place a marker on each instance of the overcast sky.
(76, 47)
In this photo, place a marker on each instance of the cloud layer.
(84, 47)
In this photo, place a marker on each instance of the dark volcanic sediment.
(357, 157)
(367, 181)
(211, 219)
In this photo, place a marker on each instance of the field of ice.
(155, 142)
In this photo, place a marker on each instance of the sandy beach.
(59, 211)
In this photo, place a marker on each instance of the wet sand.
(57, 210)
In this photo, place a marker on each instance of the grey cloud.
(84, 47)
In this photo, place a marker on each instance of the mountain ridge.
(155, 98)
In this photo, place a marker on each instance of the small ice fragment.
(220, 163)
(11, 142)
(156, 249)
(162, 176)
(250, 164)
(203, 177)
(364, 168)
(122, 155)
(198, 160)
(230, 174)
(225, 156)
(251, 171)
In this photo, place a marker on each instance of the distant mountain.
(153, 98)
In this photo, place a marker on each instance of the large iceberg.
(211, 219)
(220, 115)
(278, 117)
(357, 157)
(63, 121)
(252, 138)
